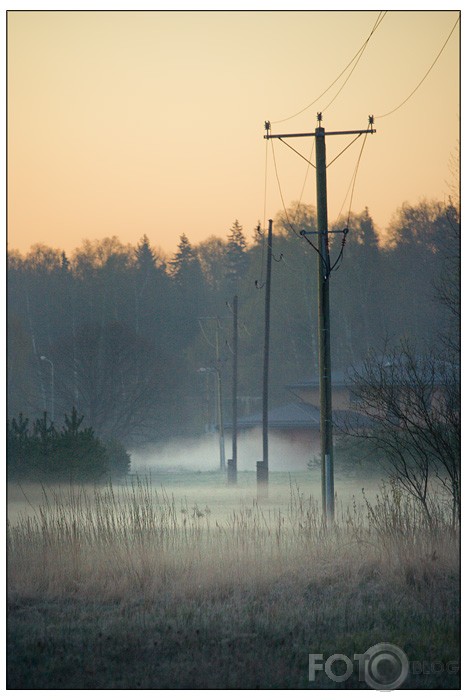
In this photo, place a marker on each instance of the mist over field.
(151, 588)
(234, 465)
(203, 454)
(127, 548)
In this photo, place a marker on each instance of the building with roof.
(294, 427)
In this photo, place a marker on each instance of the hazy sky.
(133, 123)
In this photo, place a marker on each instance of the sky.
(152, 122)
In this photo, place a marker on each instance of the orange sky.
(132, 123)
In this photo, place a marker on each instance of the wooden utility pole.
(324, 338)
(232, 463)
(262, 468)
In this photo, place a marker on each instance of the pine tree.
(79, 454)
(237, 258)
(18, 445)
(184, 262)
(145, 258)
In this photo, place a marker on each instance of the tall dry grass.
(134, 541)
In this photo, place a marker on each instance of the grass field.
(181, 582)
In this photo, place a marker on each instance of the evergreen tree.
(356, 290)
(73, 454)
(80, 456)
(151, 292)
(236, 258)
(145, 258)
(189, 285)
(43, 446)
(185, 263)
(18, 446)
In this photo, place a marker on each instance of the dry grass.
(102, 580)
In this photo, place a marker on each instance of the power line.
(355, 176)
(292, 228)
(328, 267)
(265, 184)
(381, 116)
(358, 54)
(346, 195)
(377, 23)
(261, 231)
(306, 175)
(204, 335)
(353, 180)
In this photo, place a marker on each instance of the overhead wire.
(377, 23)
(353, 180)
(355, 176)
(205, 336)
(343, 150)
(260, 284)
(306, 175)
(352, 184)
(360, 51)
(291, 226)
(329, 268)
(382, 116)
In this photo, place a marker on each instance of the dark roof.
(291, 415)
(339, 378)
(349, 376)
(299, 415)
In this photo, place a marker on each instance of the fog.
(203, 454)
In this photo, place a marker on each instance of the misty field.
(181, 582)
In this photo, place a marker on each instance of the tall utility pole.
(262, 468)
(232, 463)
(324, 338)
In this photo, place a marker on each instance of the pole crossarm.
(328, 133)
(313, 233)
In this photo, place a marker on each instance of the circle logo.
(386, 666)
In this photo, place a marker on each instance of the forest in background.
(129, 329)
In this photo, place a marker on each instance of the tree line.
(127, 330)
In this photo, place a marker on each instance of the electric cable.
(306, 175)
(292, 228)
(377, 23)
(336, 265)
(343, 150)
(205, 336)
(361, 49)
(264, 214)
(355, 176)
(297, 152)
(382, 116)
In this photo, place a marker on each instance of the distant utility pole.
(324, 337)
(232, 463)
(262, 468)
(217, 370)
(46, 359)
(220, 411)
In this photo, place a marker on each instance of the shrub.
(73, 453)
